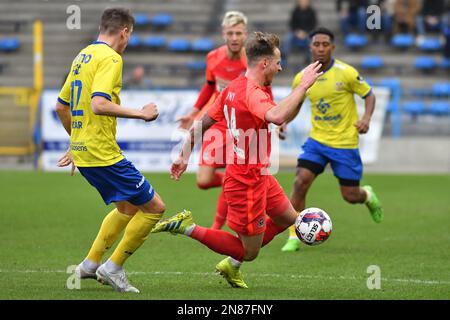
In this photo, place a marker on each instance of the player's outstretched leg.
(176, 224)
(117, 280)
(293, 243)
(374, 205)
(231, 273)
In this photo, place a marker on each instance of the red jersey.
(221, 69)
(243, 104)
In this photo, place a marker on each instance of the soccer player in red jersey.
(222, 65)
(258, 209)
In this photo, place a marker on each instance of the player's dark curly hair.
(322, 30)
(261, 45)
(115, 19)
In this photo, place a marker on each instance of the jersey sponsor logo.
(328, 118)
(323, 106)
(78, 148)
(76, 69)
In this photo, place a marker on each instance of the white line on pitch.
(269, 275)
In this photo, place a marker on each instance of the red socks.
(220, 241)
(271, 231)
(221, 212)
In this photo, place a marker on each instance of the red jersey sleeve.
(210, 64)
(259, 102)
(216, 110)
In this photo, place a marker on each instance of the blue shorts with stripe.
(119, 182)
(345, 163)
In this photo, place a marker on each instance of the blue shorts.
(119, 182)
(345, 163)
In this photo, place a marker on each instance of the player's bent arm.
(293, 116)
(290, 106)
(196, 134)
(287, 108)
(369, 103)
(103, 107)
(65, 116)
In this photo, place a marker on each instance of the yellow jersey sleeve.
(297, 80)
(109, 73)
(356, 83)
(64, 94)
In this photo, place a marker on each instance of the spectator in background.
(138, 80)
(303, 21)
(405, 12)
(352, 15)
(431, 17)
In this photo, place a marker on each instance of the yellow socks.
(112, 226)
(292, 233)
(135, 234)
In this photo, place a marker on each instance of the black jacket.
(303, 19)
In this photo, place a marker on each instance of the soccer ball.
(313, 226)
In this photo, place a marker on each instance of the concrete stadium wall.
(413, 155)
(404, 155)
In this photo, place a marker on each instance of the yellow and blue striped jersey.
(333, 106)
(96, 71)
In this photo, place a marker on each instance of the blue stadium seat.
(372, 62)
(134, 41)
(179, 45)
(392, 106)
(355, 41)
(414, 108)
(141, 19)
(202, 45)
(440, 108)
(430, 44)
(402, 41)
(393, 84)
(154, 42)
(445, 63)
(162, 20)
(9, 44)
(370, 82)
(196, 65)
(441, 89)
(425, 63)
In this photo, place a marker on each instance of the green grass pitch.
(48, 221)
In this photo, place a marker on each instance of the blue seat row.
(175, 45)
(399, 41)
(160, 20)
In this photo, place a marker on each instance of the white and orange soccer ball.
(313, 226)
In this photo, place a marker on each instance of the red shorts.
(214, 148)
(249, 205)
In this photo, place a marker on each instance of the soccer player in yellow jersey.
(88, 106)
(335, 131)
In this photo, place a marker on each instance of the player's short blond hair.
(232, 18)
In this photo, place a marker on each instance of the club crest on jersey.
(339, 86)
(261, 223)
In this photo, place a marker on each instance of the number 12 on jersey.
(74, 104)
